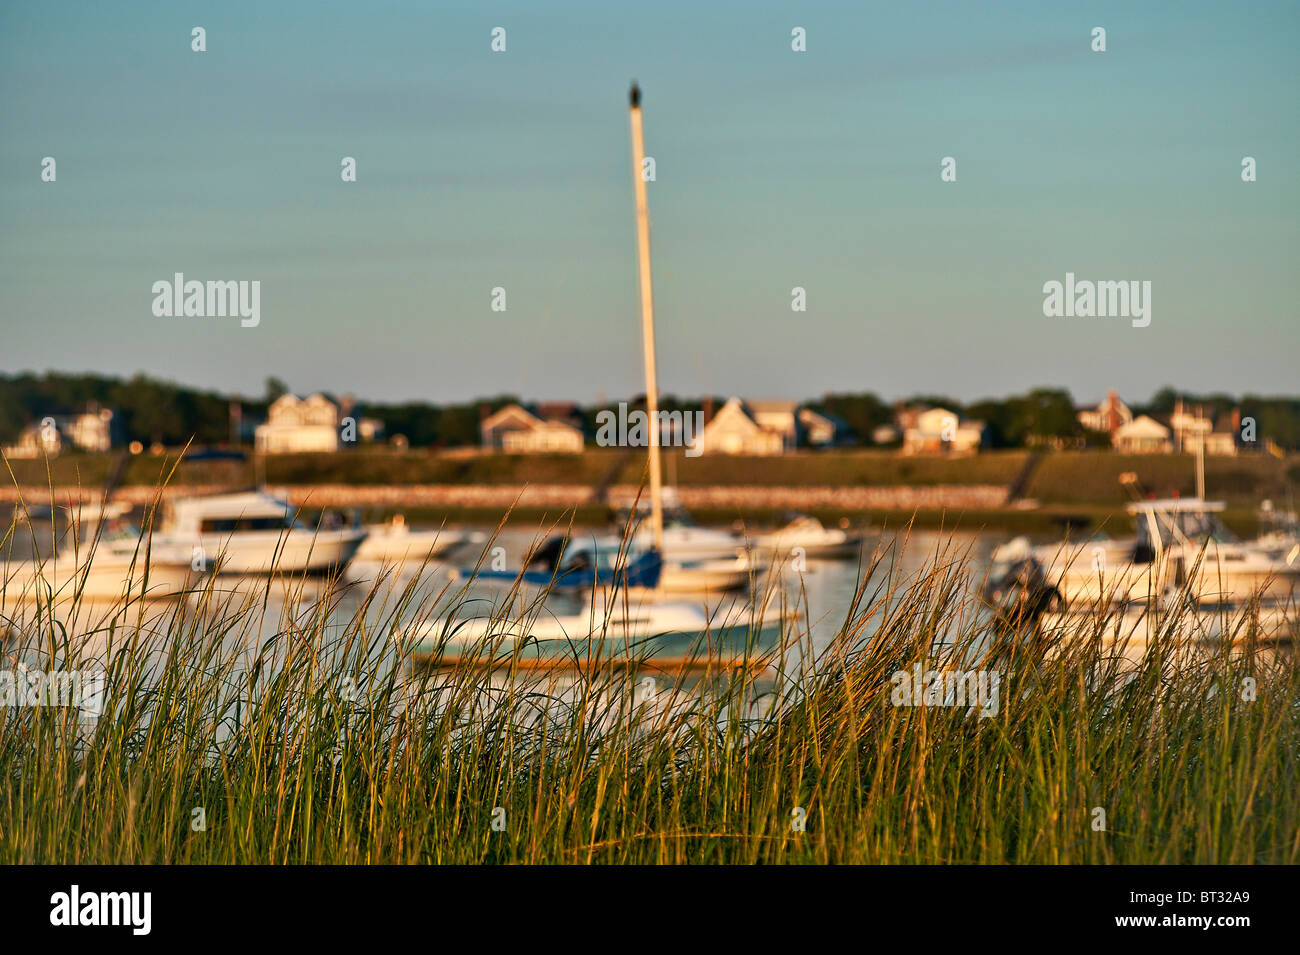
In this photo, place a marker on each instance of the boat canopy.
(190, 512)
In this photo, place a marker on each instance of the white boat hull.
(286, 552)
(682, 544)
(709, 576)
(1194, 625)
(105, 577)
(383, 544)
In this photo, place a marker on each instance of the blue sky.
(774, 169)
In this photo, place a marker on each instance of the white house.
(36, 440)
(1142, 435)
(1224, 439)
(737, 429)
(780, 416)
(938, 430)
(87, 430)
(516, 430)
(299, 425)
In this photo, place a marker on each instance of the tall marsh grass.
(290, 719)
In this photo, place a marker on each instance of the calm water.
(253, 610)
(826, 587)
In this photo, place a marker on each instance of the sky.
(774, 169)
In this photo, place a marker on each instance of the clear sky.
(775, 169)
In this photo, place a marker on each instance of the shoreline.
(887, 508)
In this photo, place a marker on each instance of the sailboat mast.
(647, 315)
(1200, 469)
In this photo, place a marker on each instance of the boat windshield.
(119, 528)
(224, 525)
(1178, 526)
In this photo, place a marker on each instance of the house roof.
(806, 413)
(772, 406)
(289, 398)
(735, 409)
(516, 411)
(1143, 424)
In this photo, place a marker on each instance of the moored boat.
(1180, 550)
(255, 533)
(658, 634)
(807, 536)
(101, 556)
(395, 541)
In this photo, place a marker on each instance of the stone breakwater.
(503, 496)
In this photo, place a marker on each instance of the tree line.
(151, 411)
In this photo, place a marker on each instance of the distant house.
(1191, 425)
(939, 431)
(1196, 426)
(780, 416)
(299, 425)
(554, 429)
(1142, 435)
(821, 430)
(88, 430)
(1224, 440)
(737, 429)
(36, 440)
(354, 427)
(1107, 417)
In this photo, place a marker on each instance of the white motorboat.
(1280, 531)
(394, 541)
(807, 536)
(102, 556)
(255, 533)
(1179, 548)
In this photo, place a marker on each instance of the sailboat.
(579, 563)
(619, 623)
(563, 564)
